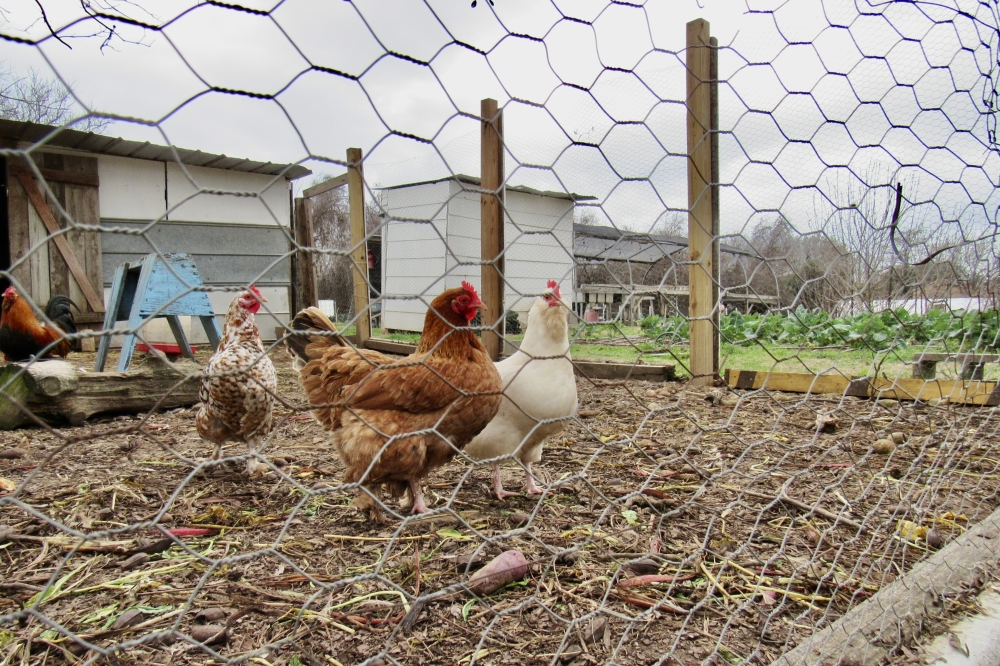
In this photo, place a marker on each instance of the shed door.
(43, 269)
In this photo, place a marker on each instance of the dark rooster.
(22, 336)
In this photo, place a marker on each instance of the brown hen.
(395, 420)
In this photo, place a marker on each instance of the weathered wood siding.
(37, 263)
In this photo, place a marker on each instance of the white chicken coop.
(432, 242)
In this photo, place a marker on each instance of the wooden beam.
(359, 241)
(304, 290)
(622, 371)
(900, 388)
(95, 301)
(699, 122)
(491, 225)
(716, 226)
(390, 346)
(60, 176)
(325, 186)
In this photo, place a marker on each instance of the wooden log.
(304, 293)
(59, 393)
(699, 145)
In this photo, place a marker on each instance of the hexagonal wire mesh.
(855, 196)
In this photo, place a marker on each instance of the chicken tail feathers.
(59, 310)
(310, 331)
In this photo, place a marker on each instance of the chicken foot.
(530, 486)
(417, 497)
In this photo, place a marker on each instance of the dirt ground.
(652, 479)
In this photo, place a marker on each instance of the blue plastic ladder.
(150, 288)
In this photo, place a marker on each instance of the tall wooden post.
(359, 241)
(716, 227)
(491, 226)
(700, 215)
(304, 288)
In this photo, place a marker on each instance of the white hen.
(538, 386)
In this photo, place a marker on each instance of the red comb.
(254, 289)
(469, 288)
(554, 286)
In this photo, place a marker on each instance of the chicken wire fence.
(678, 524)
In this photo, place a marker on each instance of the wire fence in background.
(841, 445)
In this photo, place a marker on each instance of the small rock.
(6, 532)
(209, 615)
(883, 446)
(888, 403)
(167, 518)
(812, 536)
(568, 558)
(129, 618)
(826, 423)
(9, 454)
(506, 567)
(209, 634)
(596, 630)
(587, 413)
(644, 567)
(645, 443)
(473, 560)
(280, 462)
(103, 513)
(899, 438)
(518, 519)
(615, 482)
(322, 485)
(136, 560)
(899, 510)
(571, 653)
(934, 539)
(235, 573)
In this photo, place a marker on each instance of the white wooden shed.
(230, 214)
(431, 242)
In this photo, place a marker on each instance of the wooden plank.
(389, 346)
(18, 236)
(359, 241)
(623, 371)
(699, 121)
(716, 225)
(792, 382)
(79, 274)
(492, 224)
(38, 260)
(325, 186)
(900, 388)
(62, 176)
(304, 293)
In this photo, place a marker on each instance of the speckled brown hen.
(395, 420)
(239, 382)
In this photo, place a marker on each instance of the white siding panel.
(413, 254)
(131, 189)
(269, 204)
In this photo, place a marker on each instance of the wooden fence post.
(491, 226)
(359, 241)
(304, 288)
(716, 227)
(700, 215)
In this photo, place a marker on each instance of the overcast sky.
(819, 101)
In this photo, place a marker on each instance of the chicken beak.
(260, 297)
(482, 306)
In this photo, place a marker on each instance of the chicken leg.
(529, 486)
(498, 484)
(417, 497)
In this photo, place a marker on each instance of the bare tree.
(36, 99)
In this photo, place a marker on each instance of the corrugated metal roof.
(589, 239)
(472, 180)
(144, 150)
